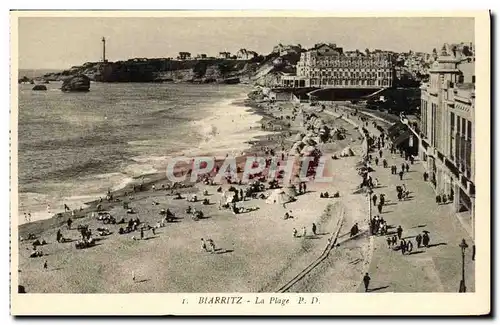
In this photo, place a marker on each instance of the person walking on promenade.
(379, 206)
(382, 199)
(403, 167)
(407, 167)
(394, 240)
(426, 176)
(314, 229)
(426, 239)
(380, 153)
(374, 198)
(402, 246)
(366, 281)
(401, 175)
(399, 231)
(384, 163)
(419, 240)
(409, 246)
(376, 161)
(389, 242)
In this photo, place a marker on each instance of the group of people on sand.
(314, 230)
(27, 217)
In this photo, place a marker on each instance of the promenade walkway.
(434, 269)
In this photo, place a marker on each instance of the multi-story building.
(446, 135)
(328, 66)
(244, 54)
(224, 55)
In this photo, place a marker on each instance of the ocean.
(73, 147)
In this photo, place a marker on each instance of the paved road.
(434, 269)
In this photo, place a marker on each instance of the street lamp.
(370, 191)
(463, 245)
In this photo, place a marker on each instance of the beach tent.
(295, 149)
(291, 191)
(228, 197)
(278, 196)
(299, 136)
(347, 152)
(308, 150)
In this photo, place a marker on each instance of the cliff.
(76, 83)
(160, 70)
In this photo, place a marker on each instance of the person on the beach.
(142, 233)
(45, 265)
(29, 216)
(48, 208)
(399, 231)
(69, 223)
(66, 207)
(419, 240)
(212, 246)
(314, 228)
(204, 245)
(294, 233)
(304, 232)
(366, 281)
(389, 242)
(25, 217)
(354, 230)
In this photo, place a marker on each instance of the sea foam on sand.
(227, 129)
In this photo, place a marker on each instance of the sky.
(62, 42)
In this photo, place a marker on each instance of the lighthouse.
(104, 50)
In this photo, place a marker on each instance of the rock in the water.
(40, 87)
(76, 83)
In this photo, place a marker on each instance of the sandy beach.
(255, 251)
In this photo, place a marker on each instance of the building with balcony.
(446, 133)
(328, 66)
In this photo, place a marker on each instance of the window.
(452, 135)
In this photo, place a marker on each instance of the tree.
(466, 51)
